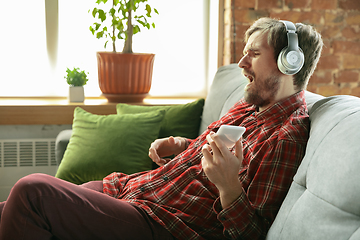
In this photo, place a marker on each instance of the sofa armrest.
(61, 143)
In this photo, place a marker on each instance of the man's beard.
(263, 93)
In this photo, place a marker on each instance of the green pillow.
(100, 145)
(180, 120)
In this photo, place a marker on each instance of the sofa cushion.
(324, 199)
(100, 145)
(179, 120)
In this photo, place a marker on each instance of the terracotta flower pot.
(125, 77)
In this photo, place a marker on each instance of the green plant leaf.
(117, 11)
(148, 9)
(99, 35)
(102, 15)
(92, 30)
(136, 29)
(97, 26)
(141, 22)
(112, 12)
(76, 77)
(94, 12)
(119, 36)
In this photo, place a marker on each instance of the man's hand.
(222, 168)
(163, 147)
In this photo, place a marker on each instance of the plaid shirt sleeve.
(251, 215)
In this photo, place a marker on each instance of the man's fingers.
(239, 149)
(153, 155)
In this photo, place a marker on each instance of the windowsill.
(58, 110)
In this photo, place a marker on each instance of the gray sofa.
(324, 199)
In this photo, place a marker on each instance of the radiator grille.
(27, 153)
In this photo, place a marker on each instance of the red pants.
(43, 207)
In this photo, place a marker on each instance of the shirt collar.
(281, 109)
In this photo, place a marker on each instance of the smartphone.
(230, 134)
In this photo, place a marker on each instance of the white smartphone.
(230, 134)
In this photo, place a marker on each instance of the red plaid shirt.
(181, 198)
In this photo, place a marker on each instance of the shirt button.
(253, 114)
(223, 218)
(165, 178)
(189, 164)
(142, 189)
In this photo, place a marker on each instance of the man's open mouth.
(251, 78)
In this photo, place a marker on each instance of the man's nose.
(244, 62)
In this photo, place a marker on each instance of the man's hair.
(310, 42)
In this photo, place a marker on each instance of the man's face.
(259, 66)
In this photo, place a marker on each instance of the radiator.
(20, 157)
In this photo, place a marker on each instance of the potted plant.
(124, 76)
(76, 79)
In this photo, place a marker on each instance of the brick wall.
(338, 21)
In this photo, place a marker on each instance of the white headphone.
(291, 58)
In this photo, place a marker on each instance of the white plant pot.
(76, 94)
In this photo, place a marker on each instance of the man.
(207, 191)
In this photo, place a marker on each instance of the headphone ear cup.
(290, 62)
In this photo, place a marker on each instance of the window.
(25, 68)
(184, 42)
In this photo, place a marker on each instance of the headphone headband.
(293, 43)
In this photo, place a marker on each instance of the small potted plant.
(76, 79)
(127, 75)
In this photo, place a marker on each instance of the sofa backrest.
(226, 89)
(324, 199)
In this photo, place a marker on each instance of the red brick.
(351, 33)
(297, 3)
(244, 3)
(326, 48)
(312, 18)
(249, 16)
(329, 62)
(345, 91)
(239, 47)
(311, 87)
(328, 90)
(349, 4)
(323, 76)
(353, 18)
(266, 4)
(347, 76)
(331, 32)
(324, 4)
(346, 47)
(240, 31)
(351, 61)
(355, 91)
(334, 19)
(286, 15)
